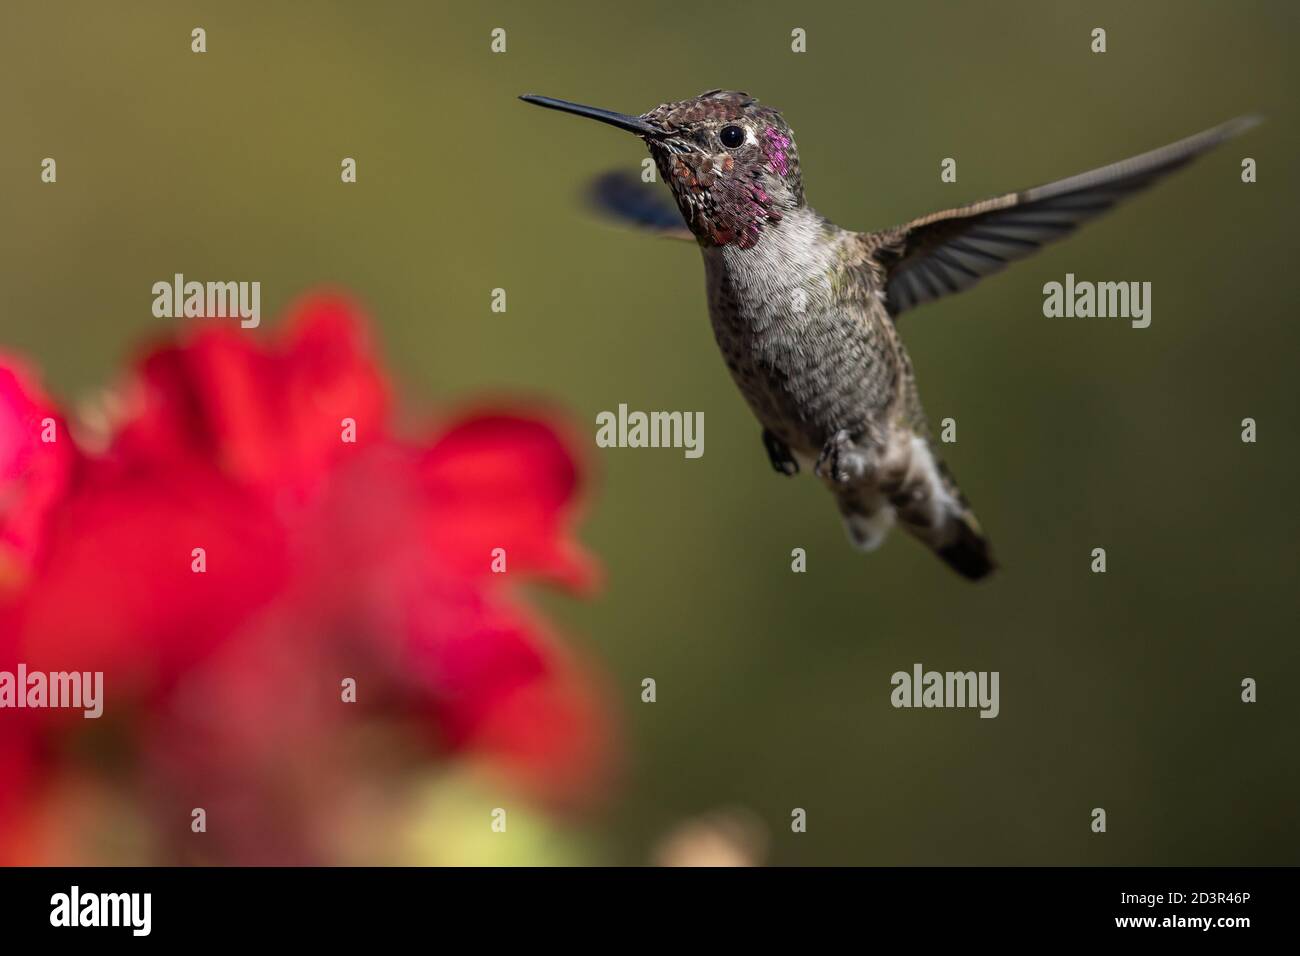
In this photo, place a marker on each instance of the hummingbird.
(805, 312)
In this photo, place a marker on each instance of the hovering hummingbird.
(804, 311)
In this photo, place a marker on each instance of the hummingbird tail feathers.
(969, 553)
(947, 524)
(954, 536)
(928, 503)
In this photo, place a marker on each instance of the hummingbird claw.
(842, 462)
(778, 452)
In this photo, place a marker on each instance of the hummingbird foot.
(778, 452)
(842, 462)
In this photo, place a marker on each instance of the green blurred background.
(1118, 690)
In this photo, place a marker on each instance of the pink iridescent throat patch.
(776, 146)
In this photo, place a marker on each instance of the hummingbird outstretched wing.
(624, 198)
(949, 251)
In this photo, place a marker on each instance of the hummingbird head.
(731, 163)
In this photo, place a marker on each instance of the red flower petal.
(509, 483)
(117, 591)
(270, 416)
(34, 473)
(500, 688)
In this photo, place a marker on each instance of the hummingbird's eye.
(731, 136)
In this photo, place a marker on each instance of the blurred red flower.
(331, 550)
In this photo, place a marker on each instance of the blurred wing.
(622, 197)
(949, 251)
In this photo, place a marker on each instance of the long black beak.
(633, 124)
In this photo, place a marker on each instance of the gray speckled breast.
(806, 339)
